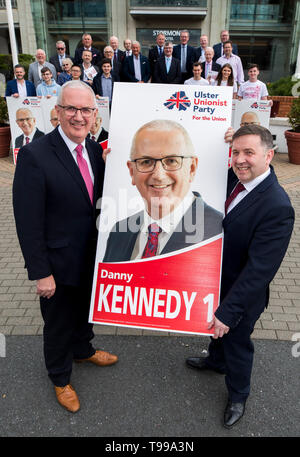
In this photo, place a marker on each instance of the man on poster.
(257, 226)
(57, 183)
(162, 166)
(27, 123)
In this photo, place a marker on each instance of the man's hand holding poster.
(158, 262)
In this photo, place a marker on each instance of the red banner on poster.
(148, 294)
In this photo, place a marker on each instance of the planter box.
(285, 103)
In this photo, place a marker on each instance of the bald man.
(27, 123)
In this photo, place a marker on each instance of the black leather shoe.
(200, 364)
(233, 413)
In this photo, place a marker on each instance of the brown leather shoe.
(67, 397)
(101, 358)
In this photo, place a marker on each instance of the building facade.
(266, 31)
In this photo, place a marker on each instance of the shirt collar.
(169, 222)
(252, 184)
(70, 144)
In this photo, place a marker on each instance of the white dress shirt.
(22, 89)
(249, 186)
(167, 224)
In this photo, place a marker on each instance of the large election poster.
(158, 261)
(26, 121)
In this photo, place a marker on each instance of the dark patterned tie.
(238, 188)
(152, 243)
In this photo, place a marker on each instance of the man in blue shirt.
(48, 87)
(103, 83)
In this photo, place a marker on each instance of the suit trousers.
(233, 354)
(67, 333)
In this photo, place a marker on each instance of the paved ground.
(150, 392)
(19, 306)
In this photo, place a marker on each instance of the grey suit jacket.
(199, 223)
(33, 72)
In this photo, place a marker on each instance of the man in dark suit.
(57, 59)
(200, 52)
(185, 54)
(167, 68)
(181, 217)
(87, 46)
(103, 83)
(19, 87)
(218, 48)
(156, 52)
(209, 65)
(97, 132)
(136, 68)
(58, 180)
(119, 55)
(27, 123)
(257, 226)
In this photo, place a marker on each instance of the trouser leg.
(66, 331)
(239, 352)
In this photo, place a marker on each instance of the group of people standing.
(165, 64)
(59, 179)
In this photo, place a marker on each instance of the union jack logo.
(180, 100)
(254, 105)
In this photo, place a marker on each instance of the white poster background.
(31, 103)
(47, 104)
(103, 111)
(259, 108)
(134, 105)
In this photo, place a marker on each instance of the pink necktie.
(84, 170)
(238, 188)
(27, 140)
(152, 243)
(93, 138)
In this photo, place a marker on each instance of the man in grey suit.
(162, 166)
(34, 71)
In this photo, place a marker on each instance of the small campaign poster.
(158, 260)
(26, 121)
(251, 111)
(49, 113)
(99, 130)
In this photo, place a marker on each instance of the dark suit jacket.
(256, 236)
(197, 54)
(82, 71)
(190, 57)
(96, 60)
(153, 58)
(207, 220)
(120, 55)
(97, 84)
(12, 88)
(102, 137)
(218, 50)
(128, 69)
(215, 67)
(160, 73)
(55, 61)
(20, 139)
(55, 220)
